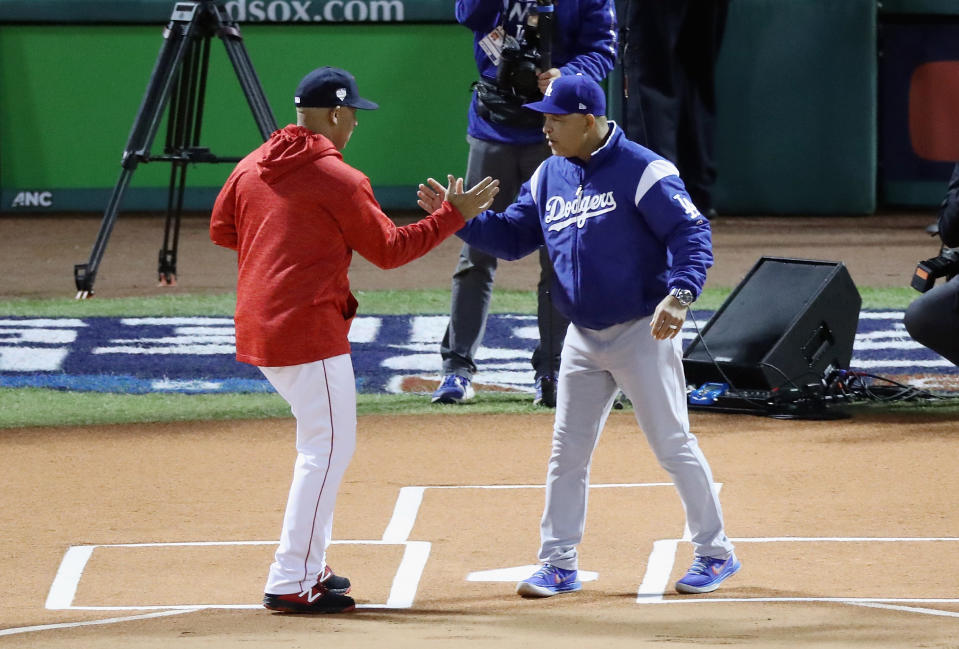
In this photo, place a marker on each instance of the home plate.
(519, 573)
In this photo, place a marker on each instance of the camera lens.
(524, 79)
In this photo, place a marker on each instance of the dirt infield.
(143, 536)
(845, 530)
(39, 254)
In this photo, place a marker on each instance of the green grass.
(371, 302)
(38, 407)
(27, 407)
(159, 306)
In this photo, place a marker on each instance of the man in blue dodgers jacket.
(630, 251)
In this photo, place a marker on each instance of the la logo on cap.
(341, 94)
(582, 106)
(549, 88)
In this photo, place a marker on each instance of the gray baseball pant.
(650, 373)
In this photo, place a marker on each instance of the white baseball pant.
(322, 397)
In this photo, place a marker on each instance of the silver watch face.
(684, 295)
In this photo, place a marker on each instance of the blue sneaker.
(706, 573)
(548, 581)
(454, 389)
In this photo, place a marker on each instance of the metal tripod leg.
(184, 133)
(183, 136)
(176, 41)
(174, 81)
(252, 90)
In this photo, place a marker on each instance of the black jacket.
(949, 212)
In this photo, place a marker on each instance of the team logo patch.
(691, 210)
(561, 213)
(341, 94)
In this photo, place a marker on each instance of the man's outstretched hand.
(430, 196)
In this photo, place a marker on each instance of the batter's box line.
(64, 587)
(410, 498)
(663, 556)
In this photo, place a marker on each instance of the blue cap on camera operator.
(572, 93)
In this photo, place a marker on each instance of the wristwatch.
(684, 295)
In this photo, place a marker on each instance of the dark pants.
(472, 286)
(933, 320)
(670, 49)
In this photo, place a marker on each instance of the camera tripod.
(178, 80)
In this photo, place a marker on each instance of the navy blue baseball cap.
(571, 93)
(327, 87)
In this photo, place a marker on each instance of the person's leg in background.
(631, 114)
(551, 323)
(932, 320)
(472, 285)
(552, 331)
(698, 51)
(654, 77)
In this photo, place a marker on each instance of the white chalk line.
(906, 609)
(65, 583)
(416, 554)
(662, 558)
(410, 498)
(109, 620)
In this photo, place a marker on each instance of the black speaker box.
(788, 323)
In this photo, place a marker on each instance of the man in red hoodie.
(295, 211)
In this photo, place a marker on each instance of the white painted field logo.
(33, 199)
(562, 213)
(391, 353)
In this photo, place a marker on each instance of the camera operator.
(519, 47)
(933, 319)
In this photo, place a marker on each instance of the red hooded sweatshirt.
(295, 212)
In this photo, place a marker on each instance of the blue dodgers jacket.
(620, 230)
(584, 42)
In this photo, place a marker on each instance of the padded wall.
(796, 88)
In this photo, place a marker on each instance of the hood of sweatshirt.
(289, 149)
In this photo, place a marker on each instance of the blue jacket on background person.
(584, 42)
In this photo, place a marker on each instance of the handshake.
(430, 196)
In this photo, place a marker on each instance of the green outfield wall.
(798, 83)
(797, 108)
(69, 95)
